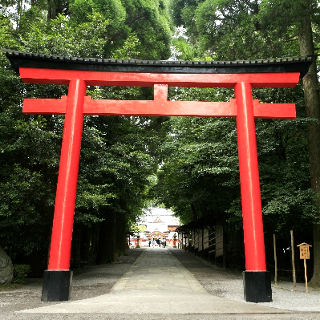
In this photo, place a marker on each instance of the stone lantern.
(175, 240)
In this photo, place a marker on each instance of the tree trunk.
(312, 106)
(85, 245)
(106, 242)
(121, 234)
(75, 249)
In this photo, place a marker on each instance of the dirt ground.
(87, 283)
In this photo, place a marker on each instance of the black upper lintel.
(34, 60)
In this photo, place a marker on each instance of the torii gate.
(80, 73)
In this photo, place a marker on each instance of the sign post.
(293, 262)
(275, 260)
(305, 254)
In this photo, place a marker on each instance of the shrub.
(20, 273)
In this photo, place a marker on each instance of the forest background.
(127, 163)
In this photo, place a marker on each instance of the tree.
(199, 175)
(115, 161)
(199, 162)
(229, 30)
(112, 13)
(150, 21)
(27, 164)
(300, 27)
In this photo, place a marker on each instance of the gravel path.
(98, 280)
(228, 284)
(86, 283)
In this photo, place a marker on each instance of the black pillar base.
(56, 285)
(257, 286)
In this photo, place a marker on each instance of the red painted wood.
(249, 178)
(134, 107)
(274, 110)
(60, 249)
(154, 108)
(101, 78)
(45, 106)
(160, 106)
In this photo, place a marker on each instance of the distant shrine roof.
(33, 60)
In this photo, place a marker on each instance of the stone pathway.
(157, 283)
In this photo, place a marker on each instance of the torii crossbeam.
(80, 73)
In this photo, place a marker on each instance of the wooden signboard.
(305, 254)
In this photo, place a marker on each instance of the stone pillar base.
(257, 286)
(56, 285)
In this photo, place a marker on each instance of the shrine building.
(159, 223)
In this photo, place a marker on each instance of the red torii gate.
(80, 73)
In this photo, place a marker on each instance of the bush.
(20, 273)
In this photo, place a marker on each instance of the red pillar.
(249, 179)
(60, 250)
(257, 281)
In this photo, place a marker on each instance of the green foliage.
(200, 171)
(182, 50)
(229, 30)
(199, 174)
(20, 273)
(183, 13)
(118, 153)
(293, 17)
(111, 30)
(110, 10)
(150, 21)
(129, 50)
(61, 36)
(135, 228)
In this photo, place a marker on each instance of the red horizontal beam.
(102, 78)
(274, 110)
(134, 107)
(159, 108)
(155, 108)
(45, 106)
